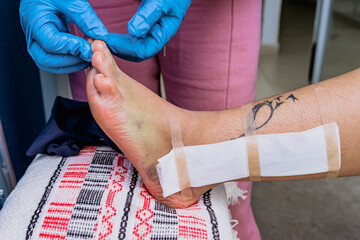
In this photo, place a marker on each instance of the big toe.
(100, 46)
(102, 59)
(102, 64)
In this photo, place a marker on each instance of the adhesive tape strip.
(332, 148)
(330, 131)
(325, 108)
(251, 143)
(180, 160)
(253, 158)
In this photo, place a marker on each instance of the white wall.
(271, 24)
(53, 85)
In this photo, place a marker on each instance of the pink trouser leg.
(211, 64)
(246, 228)
(115, 14)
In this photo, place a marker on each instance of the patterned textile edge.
(86, 210)
(213, 220)
(165, 220)
(99, 195)
(129, 197)
(44, 198)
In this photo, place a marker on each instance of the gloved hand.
(154, 24)
(46, 27)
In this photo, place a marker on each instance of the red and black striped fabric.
(98, 194)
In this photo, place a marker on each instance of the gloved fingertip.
(98, 33)
(106, 37)
(89, 57)
(138, 26)
(131, 29)
(138, 32)
(86, 55)
(102, 37)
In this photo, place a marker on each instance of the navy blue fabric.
(70, 128)
(21, 104)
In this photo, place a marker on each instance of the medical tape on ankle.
(327, 116)
(180, 160)
(246, 112)
(285, 154)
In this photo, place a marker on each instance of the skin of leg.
(115, 15)
(212, 65)
(296, 111)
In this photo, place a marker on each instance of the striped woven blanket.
(98, 194)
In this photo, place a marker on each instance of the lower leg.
(136, 119)
(296, 111)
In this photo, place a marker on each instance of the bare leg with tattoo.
(136, 120)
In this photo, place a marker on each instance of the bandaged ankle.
(287, 154)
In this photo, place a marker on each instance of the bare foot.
(136, 120)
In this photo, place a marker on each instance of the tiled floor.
(311, 209)
(289, 69)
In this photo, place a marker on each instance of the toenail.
(100, 76)
(97, 45)
(101, 44)
(101, 56)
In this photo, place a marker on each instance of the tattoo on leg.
(272, 105)
(291, 96)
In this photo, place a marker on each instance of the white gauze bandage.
(288, 154)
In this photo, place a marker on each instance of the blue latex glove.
(153, 25)
(46, 27)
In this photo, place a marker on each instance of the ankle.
(219, 126)
(196, 127)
